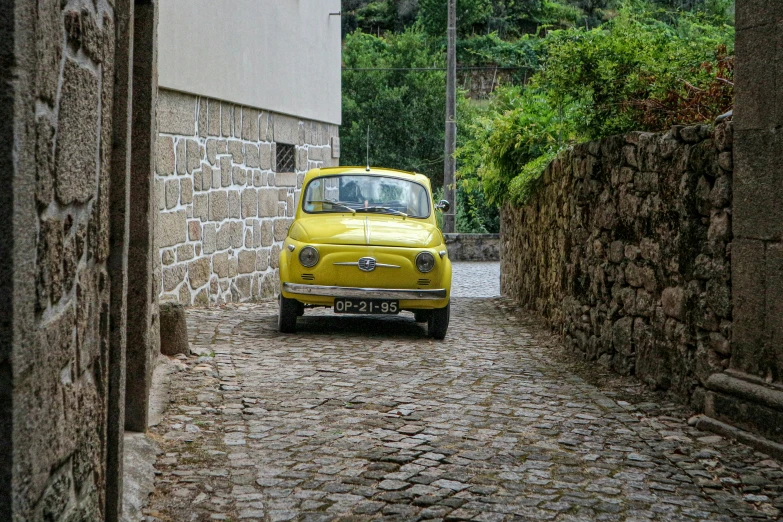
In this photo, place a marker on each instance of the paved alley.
(357, 418)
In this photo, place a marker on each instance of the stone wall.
(473, 247)
(224, 210)
(54, 322)
(625, 249)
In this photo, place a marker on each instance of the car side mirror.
(443, 205)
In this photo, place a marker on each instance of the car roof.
(374, 171)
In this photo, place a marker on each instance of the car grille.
(308, 277)
(424, 282)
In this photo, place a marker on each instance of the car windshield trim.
(374, 207)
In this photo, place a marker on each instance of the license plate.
(353, 305)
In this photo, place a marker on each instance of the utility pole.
(449, 164)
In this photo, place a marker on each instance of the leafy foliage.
(635, 72)
(404, 109)
(583, 69)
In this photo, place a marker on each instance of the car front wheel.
(438, 322)
(286, 318)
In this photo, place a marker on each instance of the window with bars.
(285, 161)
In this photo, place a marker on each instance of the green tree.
(404, 109)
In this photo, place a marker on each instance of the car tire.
(286, 317)
(438, 322)
(421, 316)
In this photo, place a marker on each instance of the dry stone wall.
(224, 207)
(625, 248)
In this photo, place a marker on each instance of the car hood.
(363, 229)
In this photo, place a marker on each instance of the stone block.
(210, 238)
(251, 155)
(286, 129)
(267, 202)
(225, 171)
(201, 206)
(234, 205)
(198, 272)
(194, 230)
(265, 156)
(171, 228)
(173, 276)
(218, 206)
(212, 151)
(160, 194)
(285, 179)
(184, 253)
(274, 257)
(48, 44)
(267, 233)
(674, 301)
(237, 233)
(186, 191)
(239, 176)
(236, 150)
(753, 13)
(224, 236)
(176, 113)
(249, 203)
(226, 119)
(173, 330)
(164, 156)
(202, 118)
(262, 259)
(247, 261)
(182, 157)
(168, 257)
(202, 298)
(250, 124)
(217, 177)
(194, 153)
(315, 153)
(172, 193)
(220, 264)
(243, 284)
(281, 228)
(256, 233)
(77, 143)
(213, 123)
(206, 176)
(758, 182)
(300, 156)
(756, 95)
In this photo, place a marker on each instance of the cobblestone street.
(359, 418)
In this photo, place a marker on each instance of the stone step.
(746, 402)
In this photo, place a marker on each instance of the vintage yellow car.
(366, 241)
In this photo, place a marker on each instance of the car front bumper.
(367, 293)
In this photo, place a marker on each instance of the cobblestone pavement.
(475, 279)
(359, 418)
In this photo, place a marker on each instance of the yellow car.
(365, 241)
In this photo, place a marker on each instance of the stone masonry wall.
(625, 248)
(473, 247)
(224, 210)
(62, 164)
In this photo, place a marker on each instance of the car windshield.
(366, 193)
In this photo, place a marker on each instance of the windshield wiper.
(334, 204)
(386, 209)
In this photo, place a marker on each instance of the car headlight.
(308, 256)
(425, 262)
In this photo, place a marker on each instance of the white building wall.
(278, 55)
